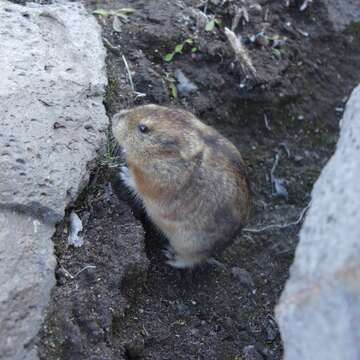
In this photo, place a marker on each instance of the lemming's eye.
(143, 128)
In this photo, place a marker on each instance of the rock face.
(343, 12)
(52, 124)
(319, 310)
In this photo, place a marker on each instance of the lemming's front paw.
(127, 178)
(169, 253)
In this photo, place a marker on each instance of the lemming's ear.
(191, 147)
(117, 117)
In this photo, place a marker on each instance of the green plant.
(276, 53)
(172, 85)
(173, 89)
(122, 13)
(210, 26)
(179, 49)
(111, 150)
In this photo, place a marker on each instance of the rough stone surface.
(343, 12)
(52, 124)
(26, 268)
(319, 310)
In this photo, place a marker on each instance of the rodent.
(191, 180)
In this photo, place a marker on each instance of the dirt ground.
(129, 304)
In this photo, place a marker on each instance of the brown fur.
(191, 180)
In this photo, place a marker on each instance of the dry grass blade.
(280, 226)
(129, 73)
(241, 53)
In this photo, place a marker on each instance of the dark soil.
(129, 307)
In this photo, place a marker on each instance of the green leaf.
(169, 57)
(178, 48)
(173, 90)
(194, 49)
(125, 11)
(210, 25)
(123, 17)
(102, 12)
(189, 41)
(116, 24)
(276, 53)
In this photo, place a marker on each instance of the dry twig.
(79, 272)
(111, 47)
(305, 4)
(241, 53)
(129, 73)
(266, 120)
(280, 226)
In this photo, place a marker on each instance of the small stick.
(286, 149)
(213, 261)
(145, 331)
(266, 15)
(139, 94)
(267, 125)
(305, 4)
(275, 164)
(240, 53)
(111, 47)
(236, 19)
(128, 72)
(79, 272)
(84, 268)
(280, 226)
(67, 272)
(205, 6)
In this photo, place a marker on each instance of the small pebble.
(279, 189)
(250, 353)
(243, 276)
(135, 349)
(61, 276)
(271, 331)
(261, 40)
(228, 322)
(183, 309)
(298, 159)
(184, 86)
(76, 228)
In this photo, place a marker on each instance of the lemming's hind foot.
(179, 264)
(182, 261)
(174, 260)
(169, 253)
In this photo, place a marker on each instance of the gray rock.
(26, 273)
(75, 227)
(52, 124)
(343, 12)
(319, 310)
(51, 94)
